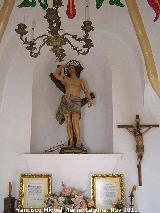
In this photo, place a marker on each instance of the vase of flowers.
(69, 199)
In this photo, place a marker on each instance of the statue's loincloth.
(68, 105)
(140, 149)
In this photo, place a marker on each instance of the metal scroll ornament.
(55, 38)
(144, 44)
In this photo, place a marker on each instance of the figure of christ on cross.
(136, 131)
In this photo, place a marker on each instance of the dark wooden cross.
(136, 131)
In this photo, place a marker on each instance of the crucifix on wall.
(138, 130)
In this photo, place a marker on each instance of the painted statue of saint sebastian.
(70, 105)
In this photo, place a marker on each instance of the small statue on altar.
(69, 109)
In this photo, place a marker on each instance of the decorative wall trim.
(5, 13)
(144, 44)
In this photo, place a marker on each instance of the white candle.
(87, 18)
(10, 188)
(24, 19)
(32, 31)
(34, 24)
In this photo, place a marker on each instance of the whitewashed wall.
(124, 65)
(128, 102)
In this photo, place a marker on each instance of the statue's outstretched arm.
(130, 131)
(146, 130)
(58, 75)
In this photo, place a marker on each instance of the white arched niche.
(96, 123)
(111, 55)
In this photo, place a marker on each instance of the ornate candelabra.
(55, 38)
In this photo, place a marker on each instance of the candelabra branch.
(87, 43)
(30, 45)
(36, 54)
(44, 35)
(75, 37)
(73, 47)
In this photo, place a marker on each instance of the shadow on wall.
(6, 60)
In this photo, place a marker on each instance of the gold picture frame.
(107, 189)
(33, 190)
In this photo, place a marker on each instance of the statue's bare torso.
(73, 86)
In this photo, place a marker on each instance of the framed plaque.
(107, 190)
(33, 190)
